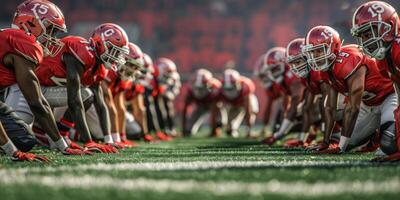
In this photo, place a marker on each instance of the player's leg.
(17, 130)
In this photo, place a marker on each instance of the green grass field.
(201, 169)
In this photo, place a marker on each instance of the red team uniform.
(350, 58)
(17, 42)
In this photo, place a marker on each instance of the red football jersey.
(17, 42)
(134, 91)
(350, 58)
(392, 71)
(274, 91)
(211, 97)
(53, 71)
(288, 79)
(116, 84)
(313, 82)
(247, 88)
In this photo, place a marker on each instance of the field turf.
(201, 168)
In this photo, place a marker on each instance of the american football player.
(375, 25)
(32, 36)
(279, 72)
(314, 95)
(114, 88)
(66, 78)
(239, 102)
(371, 98)
(135, 95)
(274, 97)
(203, 94)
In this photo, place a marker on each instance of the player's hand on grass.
(71, 151)
(24, 156)
(100, 148)
(318, 147)
(331, 150)
(390, 158)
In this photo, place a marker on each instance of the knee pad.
(388, 138)
(24, 142)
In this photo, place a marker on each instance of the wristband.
(344, 141)
(61, 144)
(108, 139)
(9, 148)
(116, 137)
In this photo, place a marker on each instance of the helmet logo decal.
(376, 10)
(327, 34)
(108, 32)
(43, 9)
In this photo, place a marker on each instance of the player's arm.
(102, 111)
(75, 104)
(297, 90)
(355, 84)
(30, 88)
(188, 101)
(267, 111)
(139, 112)
(307, 108)
(112, 110)
(119, 100)
(330, 111)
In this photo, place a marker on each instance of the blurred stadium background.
(206, 33)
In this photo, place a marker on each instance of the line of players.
(346, 91)
(59, 91)
(352, 86)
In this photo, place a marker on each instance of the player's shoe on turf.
(309, 140)
(128, 143)
(24, 156)
(294, 143)
(269, 140)
(148, 138)
(163, 137)
(216, 133)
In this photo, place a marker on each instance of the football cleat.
(269, 140)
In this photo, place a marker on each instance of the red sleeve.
(248, 86)
(396, 52)
(139, 89)
(348, 61)
(25, 45)
(290, 78)
(79, 48)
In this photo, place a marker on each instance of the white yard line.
(193, 165)
(10, 177)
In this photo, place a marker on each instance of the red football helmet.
(375, 25)
(231, 84)
(111, 44)
(323, 44)
(274, 63)
(134, 63)
(261, 73)
(42, 19)
(202, 79)
(166, 68)
(295, 58)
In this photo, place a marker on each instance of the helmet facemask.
(132, 70)
(370, 37)
(320, 57)
(231, 90)
(299, 66)
(113, 56)
(275, 72)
